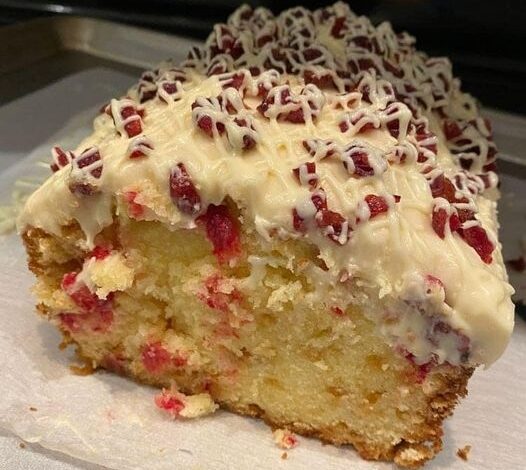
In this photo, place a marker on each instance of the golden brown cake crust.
(448, 385)
(424, 445)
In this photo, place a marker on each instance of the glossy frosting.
(367, 125)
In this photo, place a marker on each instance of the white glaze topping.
(352, 140)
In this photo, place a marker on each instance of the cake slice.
(297, 223)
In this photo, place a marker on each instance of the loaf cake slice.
(297, 223)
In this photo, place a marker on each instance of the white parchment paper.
(111, 421)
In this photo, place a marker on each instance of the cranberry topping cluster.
(315, 211)
(166, 84)
(283, 104)
(401, 87)
(226, 114)
(359, 159)
(375, 77)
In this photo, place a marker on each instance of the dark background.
(484, 39)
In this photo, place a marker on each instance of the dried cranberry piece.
(366, 64)
(87, 158)
(339, 27)
(452, 129)
(179, 361)
(306, 174)
(183, 191)
(363, 42)
(361, 164)
(324, 149)
(86, 300)
(377, 205)
(465, 163)
(465, 215)
(422, 158)
(366, 125)
(132, 128)
(337, 311)
(320, 80)
(147, 95)
(420, 370)
(443, 187)
(454, 222)
(135, 209)
(319, 199)
(139, 147)
(310, 54)
(170, 87)
(296, 116)
(82, 189)
(206, 124)
(169, 403)
(433, 281)
(263, 39)
(477, 238)
(390, 67)
(297, 222)
(100, 252)
(60, 158)
(394, 128)
(438, 222)
(236, 81)
(223, 231)
(97, 321)
(492, 151)
(422, 135)
(333, 223)
(490, 167)
(155, 357)
(137, 153)
(85, 173)
(248, 141)
(215, 298)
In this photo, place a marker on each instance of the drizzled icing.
(319, 126)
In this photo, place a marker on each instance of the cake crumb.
(86, 369)
(463, 452)
(284, 456)
(179, 405)
(22, 445)
(284, 438)
(32, 408)
(64, 343)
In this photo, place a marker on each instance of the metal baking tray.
(38, 52)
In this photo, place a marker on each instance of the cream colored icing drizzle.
(386, 256)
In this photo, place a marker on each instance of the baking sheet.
(107, 420)
(35, 53)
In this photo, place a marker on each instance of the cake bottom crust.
(410, 454)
